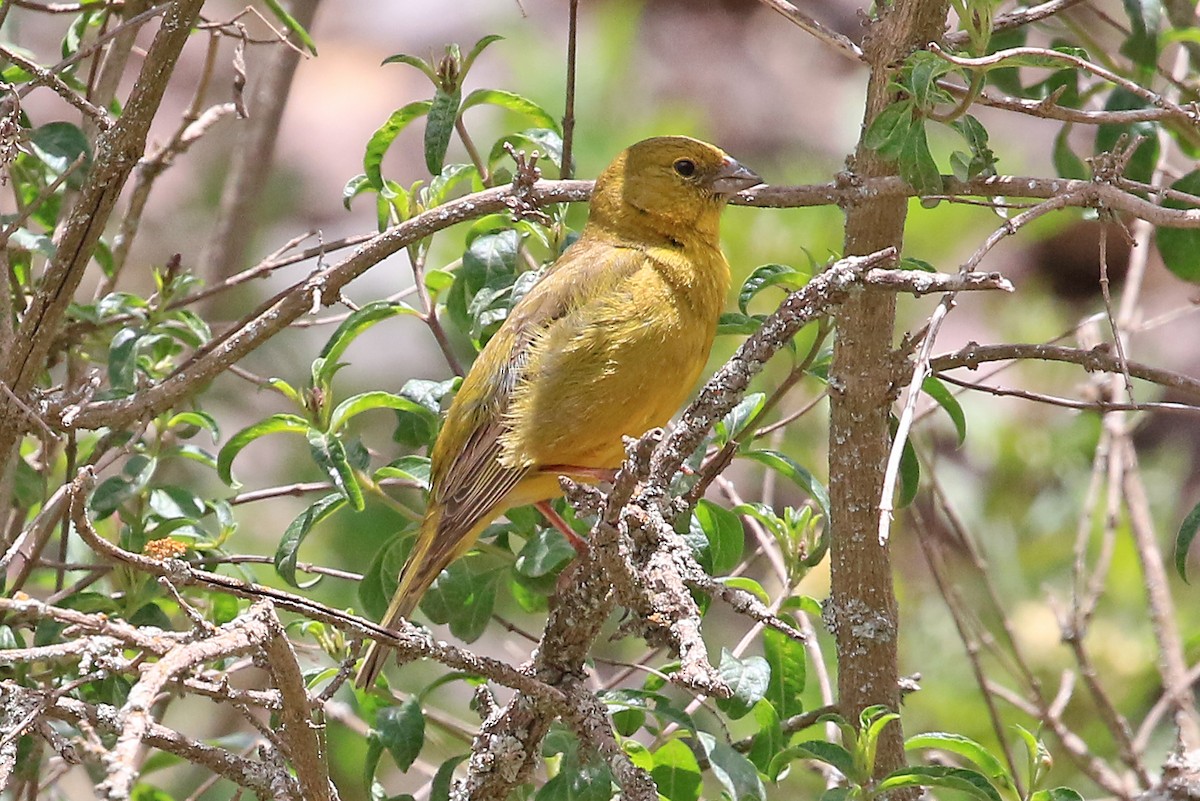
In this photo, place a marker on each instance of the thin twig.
(568, 120)
(837, 41)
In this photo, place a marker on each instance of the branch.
(837, 41)
(1016, 19)
(300, 734)
(117, 151)
(1098, 359)
(1133, 87)
(258, 777)
(45, 77)
(245, 634)
(409, 641)
(320, 289)
(323, 287)
(251, 161)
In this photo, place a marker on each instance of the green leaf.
(289, 545)
(965, 747)
(739, 324)
(971, 782)
(417, 427)
(197, 419)
(1180, 247)
(923, 70)
(913, 263)
(789, 669)
(365, 401)
(512, 102)
(916, 163)
(748, 678)
(747, 584)
(401, 730)
(890, 129)
(476, 49)
(732, 424)
(26, 240)
(409, 468)
(722, 529)
(1056, 794)
(122, 359)
(577, 781)
(151, 614)
(546, 141)
(910, 474)
(292, 25)
(359, 321)
(223, 608)
(450, 176)
(676, 771)
(413, 61)
(380, 579)
(769, 740)
(1145, 17)
(787, 467)
(330, 455)
(545, 552)
(937, 390)
(439, 788)
(490, 259)
(463, 598)
(737, 775)
(57, 145)
(829, 753)
(873, 720)
(763, 514)
(353, 188)
(1038, 760)
(383, 137)
(275, 424)
(146, 792)
(171, 502)
(982, 161)
(443, 113)
(116, 490)
(429, 393)
(1066, 163)
(1183, 540)
(769, 275)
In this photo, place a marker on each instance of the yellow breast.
(620, 363)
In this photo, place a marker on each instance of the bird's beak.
(733, 177)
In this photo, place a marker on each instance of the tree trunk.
(862, 608)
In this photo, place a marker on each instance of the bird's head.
(668, 185)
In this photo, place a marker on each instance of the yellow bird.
(608, 343)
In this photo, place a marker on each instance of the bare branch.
(305, 748)
(1099, 358)
(258, 777)
(45, 77)
(825, 34)
(1018, 18)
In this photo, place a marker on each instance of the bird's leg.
(555, 519)
(589, 475)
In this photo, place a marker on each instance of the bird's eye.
(685, 167)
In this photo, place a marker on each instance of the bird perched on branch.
(608, 343)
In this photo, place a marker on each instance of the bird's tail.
(432, 552)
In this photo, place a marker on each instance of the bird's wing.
(475, 473)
